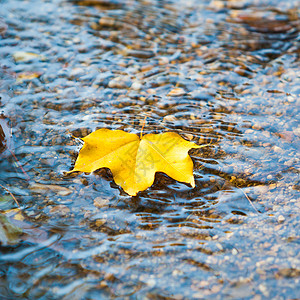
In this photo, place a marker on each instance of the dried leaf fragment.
(134, 161)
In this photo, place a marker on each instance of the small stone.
(177, 92)
(151, 282)
(60, 210)
(263, 289)
(281, 219)
(42, 188)
(103, 284)
(139, 53)
(169, 118)
(249, 131)
(21, 56)
(100, 222)
(100, 202)
(277, 149)
(163, 60)
(76, 40)
(289, 163)
(219, 246)
(290, 99)
(217, 4)
(76, 71)
(234, 251)
(256, 127)
(216, 288)
(136, 85)
(109, 277)
(119, 83)
(296, 131)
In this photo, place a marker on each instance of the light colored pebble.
(43, 188)
(136, 85)
(234, 251)
(100, 202)
(277, 149)
(296, 131)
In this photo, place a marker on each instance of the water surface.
(223, 73)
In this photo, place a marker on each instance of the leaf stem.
(75, 137)
(18, 164)
(248, 200)
(144, 123)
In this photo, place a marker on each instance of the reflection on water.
(223, 73)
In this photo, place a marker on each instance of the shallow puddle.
(222, 73)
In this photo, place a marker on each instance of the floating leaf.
(134, 161)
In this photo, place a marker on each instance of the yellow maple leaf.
(134, 161)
